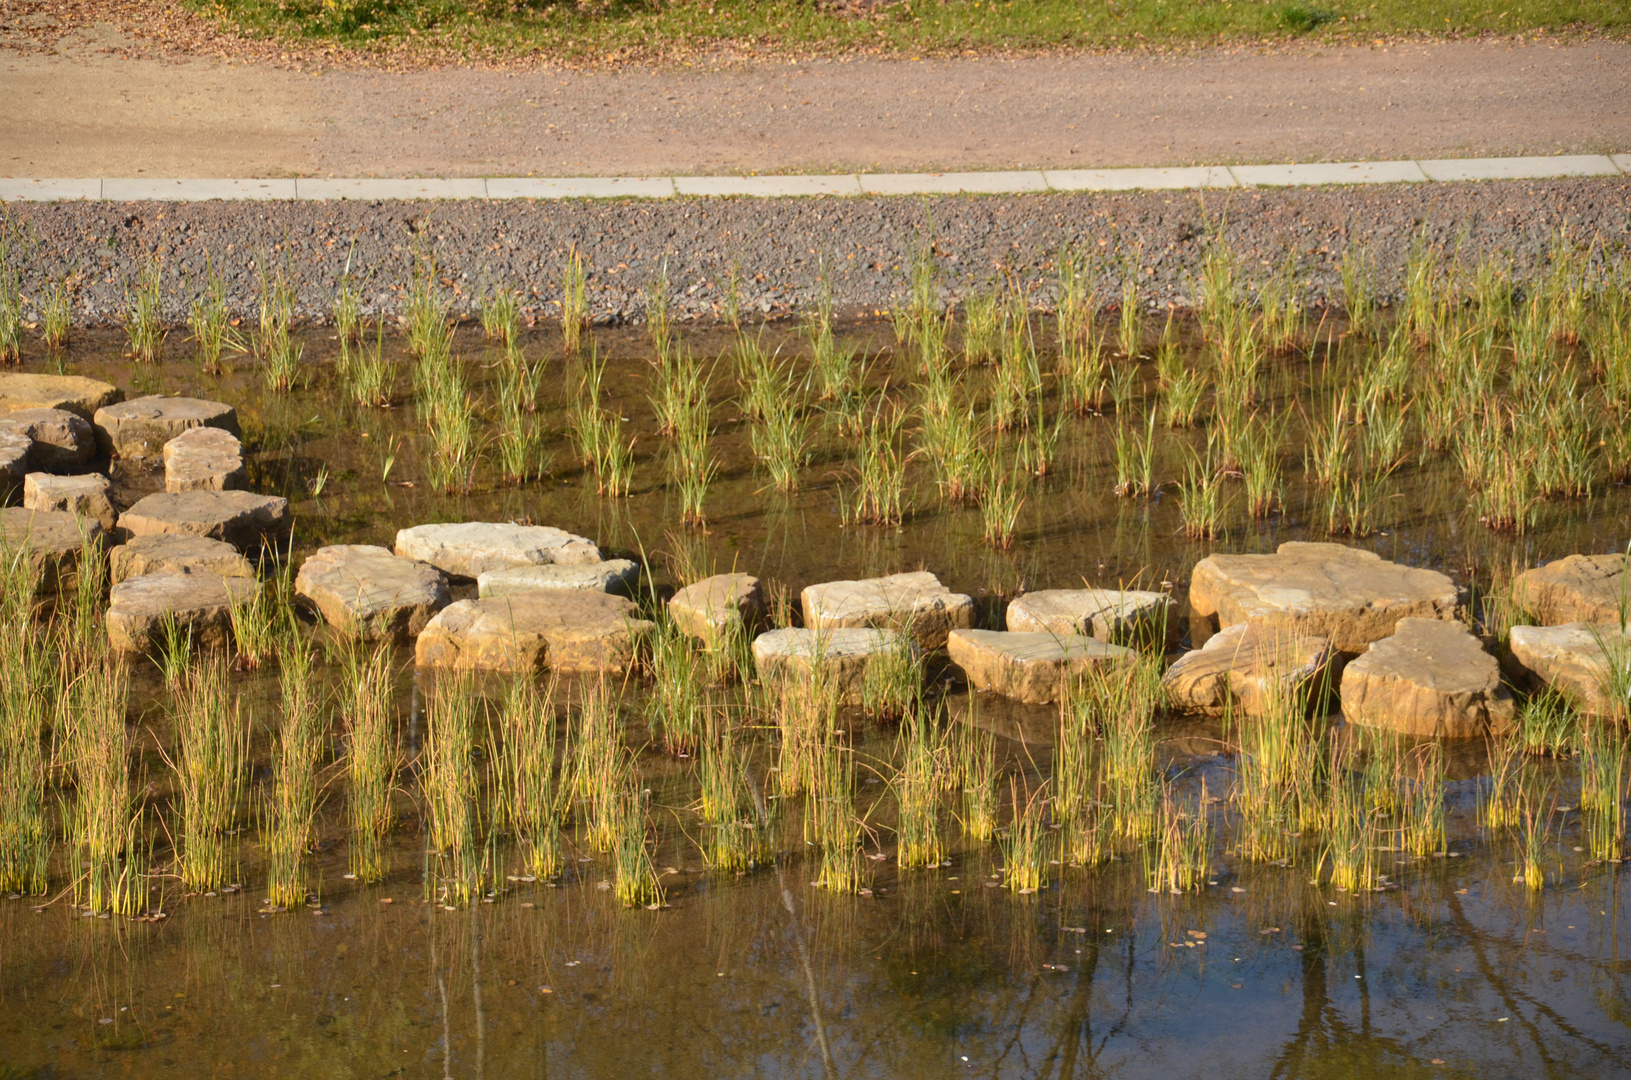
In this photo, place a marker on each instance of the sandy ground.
(83, 111)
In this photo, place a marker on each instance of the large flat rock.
(1119, 616)
(52, 541)
(468, 549)
(1244, 667)
(914, 603)
(365, 591)
(1576, 588)
(139, 428)
(1432, 677)
(204, 459)
(14, 454)
(63, 441)
(85, 495)
(74, 393)
(843, 655)
(558, 630)
(1575, 660)
(1030, 666)
(236, 517)
(612, 576)
(176, 554)
(1348, 595)
(716, 606)
(139, 608)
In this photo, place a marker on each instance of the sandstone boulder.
(1577, 660)
(14, 453)
(843, 655)
(716, 606)
(139, 608)
(1348, 595)
(204, 459)
(1576, 588)
(366, 591)
(75, 393)
(1029, 666)
(51, 541)
(914, 603)
(63, 440)
(85, 495)
(612, 576)
(236, 517)
(468, 549)
(558, 629)
(1246, 667)
(1432, 677)
(1119, 616)
(176, 554)
(140, 428)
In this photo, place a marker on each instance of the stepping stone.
(51, 539)
(139, 607)
(612, 576)
(1432, 677)
(1349, 595)
(1576, 588)
(176, 554)
(364, 590)
(140, 428)
(204, 459)
(1029, 666)
(63, 441)
(1243, 667)
(915, 602)
(14, 453)
(565, 630)
(74, 393)
(1573, 659)
(716, 606)
(85, 495)
(1120, 616)
(236, 517)
(468, 549)
(845, 654)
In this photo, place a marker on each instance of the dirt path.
(83, 112)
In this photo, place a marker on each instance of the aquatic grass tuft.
(144, 315)
(210, 761)
(1024, 842)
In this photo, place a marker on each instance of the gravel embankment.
(779, 246)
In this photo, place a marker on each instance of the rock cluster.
(915, 604)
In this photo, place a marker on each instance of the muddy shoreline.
(779, 247)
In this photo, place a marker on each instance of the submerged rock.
(1119, 616)
(470, 548)
(51, 541)
(75, 393)
(716, 606)
(1246, 667)
(1431, 677)
(1576, 588)
(843, 655)
(139, 608)
(63, 441)
(1029, 666)
(204, 459)
(140, 428)
(914, 603)
(1348, 595)
(555, 629)
(176, 554)
(85, 495)
(366, 591)
(1578, 661)
(237, 517)
(612, 576)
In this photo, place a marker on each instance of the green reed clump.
(1180, 859)
(1135, 458)
(371, 756)
(1276, 773)
(1420, 806)
(1351, 829)
(923, 751)
(600, 766)
(831, 824)
(736, 821)
(574, 300)
(144, 315)
(256, 622)
(974, 772)
(659, 316)
(368, 371)
(634, 881)
(1076, 779)
(806, 713)
(1120, 704)
(881, 466)
(780, 432)
(521, 451)
(29, 681)
(692, 466)
(982, 325)
(1547, 723)
(1535, 810)
(209, 321)
(530, 804)
(598, 434)
(57, 315)
(290, 813)
(11, 305)
(1016, 386)
(1358, 288)
(456, 869)
(279, 352)
(677, 709)
(1024, 842)
(892, 682)
(1602, 758)
(1259, 456)
(1203, 496)
(501, 315)
(103, 822)
(426, 316)
(210, 760)
(1002, 494)
(446, 406)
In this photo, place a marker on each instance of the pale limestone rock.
(716, 606)
(139, 607)
(75, 393)
(1245, 666)
(364, 590)
(1432, 677)
(1574, 659)
(470, 548)
(176, 554)
(63, 440)
(51, 540)
(1118, 616)
(85, 495)
(139, 429)
(1576, 588)
(1349, 595)
(560, 630)
(237, 517)
(612, 576)
(204, 459)
(843, 654)
(914, 603)
(1029, 666)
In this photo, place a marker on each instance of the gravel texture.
(780, 246)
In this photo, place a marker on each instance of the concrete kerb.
(1520, 168)
(1345, 172)
(1204, 176)
(953, 183)
(49, 190)
(768, 187)
(137, 189)
(584, 187)
(378, 190)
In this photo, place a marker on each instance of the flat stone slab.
(1349, 595)
(715, 606)
(204, 459)
(364, 590)
(1576, 588)
(236, 517)
(470, 548)
(916, 603)
(1432, 677)
(1119, 616)
(85, 495)
(74, 393)
(52, 540)
(844, 654)
(1572, 659)
(176, 554)
(139, 607)
(1030, 666)
(612, 576)
(140, 428)
(565, 630)
(63, 441)
(1243, 667)
(14, 453)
